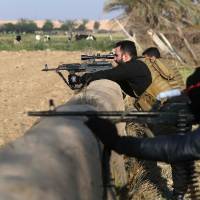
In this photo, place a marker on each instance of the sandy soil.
(24, 87)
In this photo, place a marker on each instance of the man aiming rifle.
(131, 74)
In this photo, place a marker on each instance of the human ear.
(126, 57)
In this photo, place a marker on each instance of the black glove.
(73, 79)
(86, 78)
(104, 130)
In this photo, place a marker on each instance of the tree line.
(29, 26)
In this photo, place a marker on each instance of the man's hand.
(86, 78)
(104, 130)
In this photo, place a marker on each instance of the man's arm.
(170, 149)
(115, 74)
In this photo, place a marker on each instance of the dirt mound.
(25, 87)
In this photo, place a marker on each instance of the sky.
(53, 9)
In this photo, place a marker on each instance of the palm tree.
(154, 12)
(141, 15)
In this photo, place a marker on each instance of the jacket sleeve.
(170, 149)
(121, 72)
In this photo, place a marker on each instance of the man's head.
(151, 53)
(193, 91)
(124, 51)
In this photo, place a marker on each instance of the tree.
(157, 14)
(8, 27)
(82, 27)
(27, 26)
(154, 12)
(22, 26)
(48, 26)
(96, 25)
(68, 25)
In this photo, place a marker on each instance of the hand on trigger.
(86, 78)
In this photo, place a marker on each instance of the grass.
(57, 42)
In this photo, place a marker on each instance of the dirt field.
(25, 87)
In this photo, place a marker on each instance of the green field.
(57, 42)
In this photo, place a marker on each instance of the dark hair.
(127, 46)
(193, 91)
(152, 51)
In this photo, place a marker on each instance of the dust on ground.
(24, 87)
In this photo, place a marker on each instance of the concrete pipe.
(59, 158)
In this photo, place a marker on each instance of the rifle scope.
(98, 56)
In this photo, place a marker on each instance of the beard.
(119, 61)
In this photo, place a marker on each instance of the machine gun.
(121, 116)
(90, 66)
(177, 114)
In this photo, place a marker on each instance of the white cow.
(47, 38)
(38, 37)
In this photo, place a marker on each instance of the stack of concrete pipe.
(59, 158)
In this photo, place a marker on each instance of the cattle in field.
(18, 38)
(47, 38)
(84, 37)
(38, 37)
(90, 37)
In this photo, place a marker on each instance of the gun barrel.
(140, 117)
(66, 67)
(47, 69)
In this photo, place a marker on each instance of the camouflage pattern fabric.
(163, 78)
